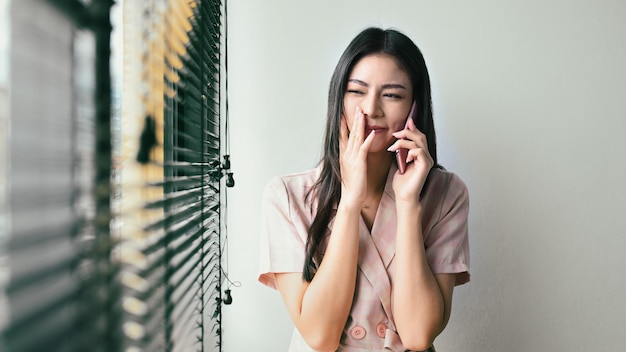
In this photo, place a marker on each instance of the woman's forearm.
(328, 298)
(418, 302)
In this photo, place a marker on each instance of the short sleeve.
(282, 240)
(447, 244)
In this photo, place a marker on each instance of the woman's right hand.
(353, 149)
(320, 308)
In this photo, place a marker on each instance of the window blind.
(170, 178)
(61, 291)
(113, 217)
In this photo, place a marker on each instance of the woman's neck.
(377, 170)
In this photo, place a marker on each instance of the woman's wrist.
(409, 213)
(408, 206)
(409, 223)
(349, 204)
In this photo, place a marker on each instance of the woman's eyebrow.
(358, 81)
(393, 85)
(385, 86)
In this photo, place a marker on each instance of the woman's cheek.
(349, 116)
(398, 126)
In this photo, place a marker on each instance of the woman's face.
(383, 91)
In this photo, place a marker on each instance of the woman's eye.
(355, 91)
(393, 96)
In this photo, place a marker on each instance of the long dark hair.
(327, 189)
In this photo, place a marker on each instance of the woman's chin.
(380, 145)
(379, 149)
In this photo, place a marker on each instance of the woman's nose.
(371, 107)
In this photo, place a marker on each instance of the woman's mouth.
(369, 129)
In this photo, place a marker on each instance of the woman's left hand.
(408, 186)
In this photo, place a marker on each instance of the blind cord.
(225, 268)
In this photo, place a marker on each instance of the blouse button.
(381, 330)
(357, 332)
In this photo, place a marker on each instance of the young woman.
(365, 256)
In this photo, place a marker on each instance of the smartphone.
(402, 153)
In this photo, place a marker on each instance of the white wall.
(529, 107)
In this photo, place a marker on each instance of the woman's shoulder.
(441, 179)
(445, 187)
(295, 180)
(445, 194)
(294, 185)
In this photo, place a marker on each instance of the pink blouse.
(287, 214)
